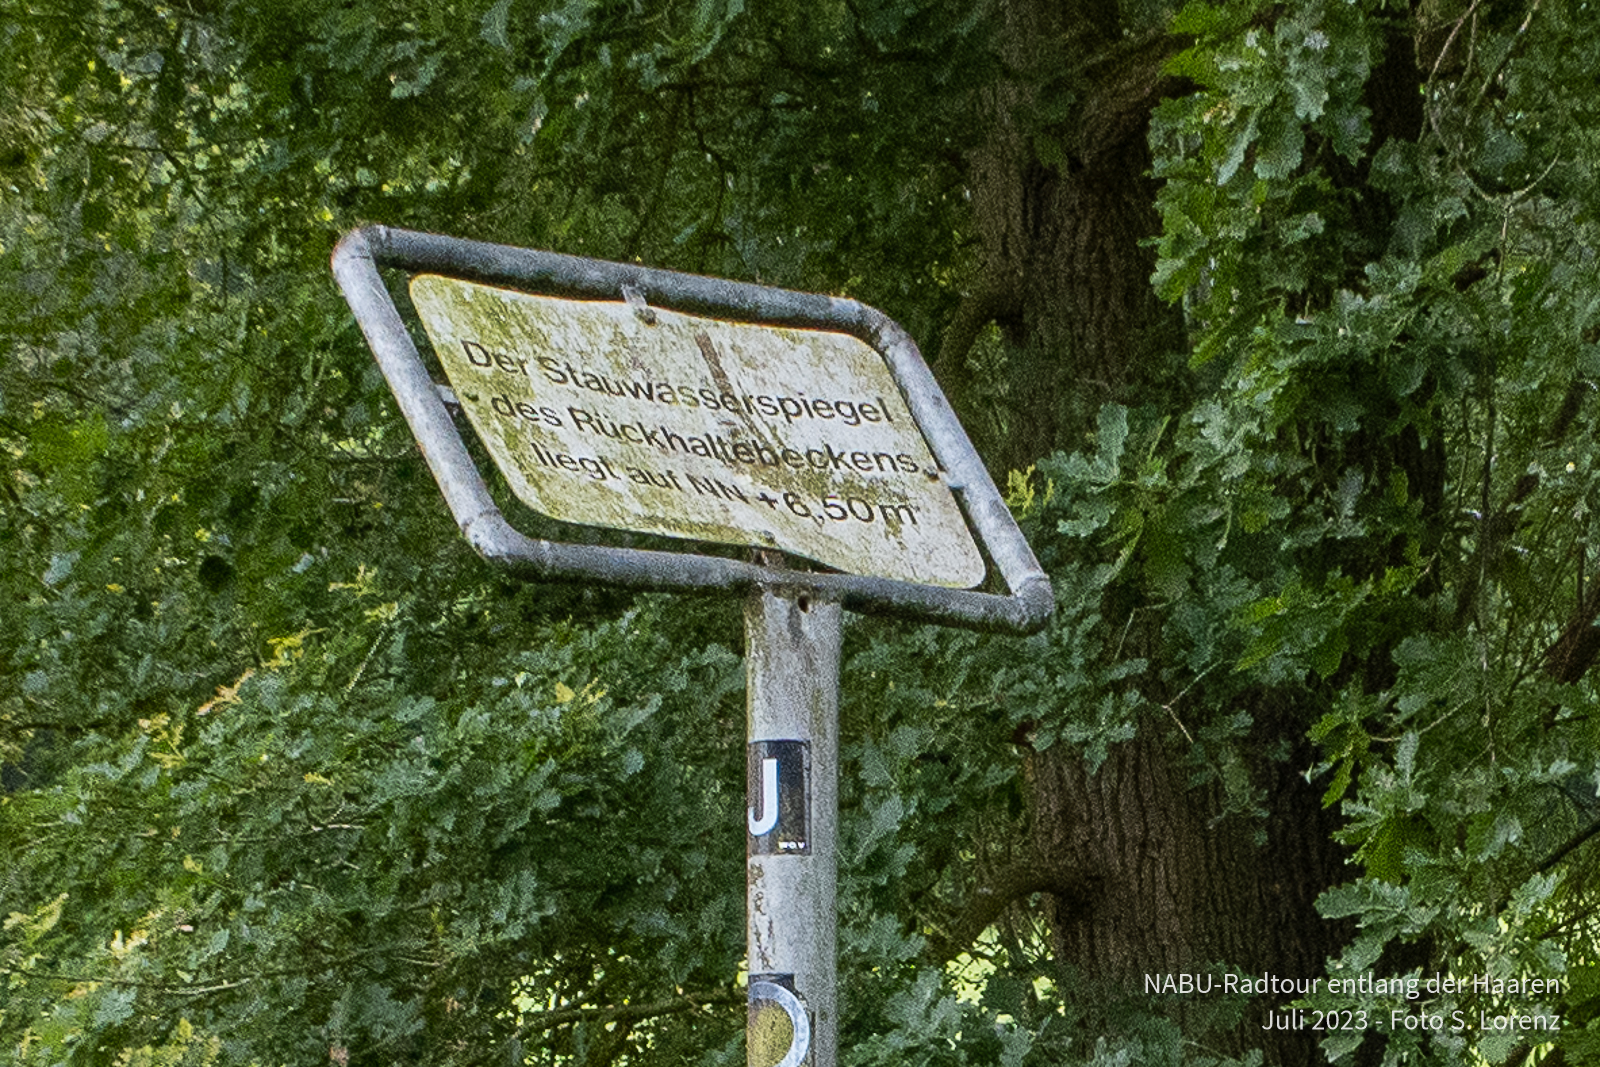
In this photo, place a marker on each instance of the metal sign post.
(792, 660)
(804, 427)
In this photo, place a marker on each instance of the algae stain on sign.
(699, 428)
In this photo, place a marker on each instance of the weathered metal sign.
(809, 423)
(654, 421)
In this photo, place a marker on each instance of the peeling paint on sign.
(690, 427)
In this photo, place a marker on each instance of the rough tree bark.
(1165, 887)
(1061, 200)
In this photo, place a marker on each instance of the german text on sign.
(691, 427)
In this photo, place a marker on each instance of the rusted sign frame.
(1023, 608)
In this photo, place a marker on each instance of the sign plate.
(691, 427)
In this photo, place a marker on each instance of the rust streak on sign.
(699, 428)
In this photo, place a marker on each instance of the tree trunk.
(1062, 207)
(1167, 887)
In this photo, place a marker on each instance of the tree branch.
(1565, 850)
(1575, 651)
(1129, 84)
(992, 299)
(629, 1013)
(997, 892)
(1496, 528)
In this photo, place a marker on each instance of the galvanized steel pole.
(792, 664)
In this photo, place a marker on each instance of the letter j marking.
(769, 800)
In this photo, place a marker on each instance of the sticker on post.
(779, 817)
(779, 1027)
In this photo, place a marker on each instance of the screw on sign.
(804, 427)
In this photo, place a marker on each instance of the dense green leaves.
(1429, 592)
(288, 775)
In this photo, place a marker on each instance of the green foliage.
(311, 861)
(288, 776)
(1422, 596)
